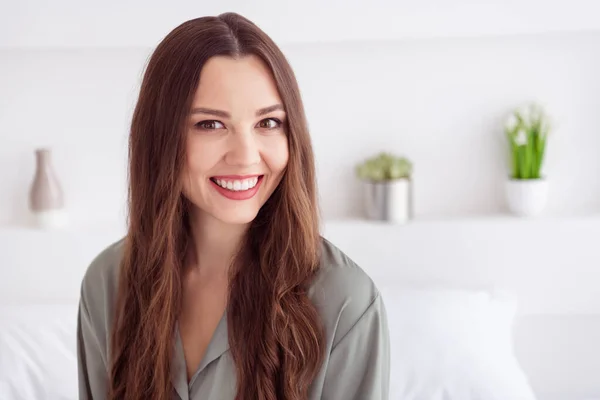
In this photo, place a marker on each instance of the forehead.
(232, 84)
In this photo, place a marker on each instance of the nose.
(243, 149)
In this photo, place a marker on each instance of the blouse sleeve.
(359, 364)
(91, 365)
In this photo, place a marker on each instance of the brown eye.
(209, 125)
(269, 123)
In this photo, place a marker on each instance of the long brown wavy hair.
(275, 334)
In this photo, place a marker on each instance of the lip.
(239, 195)
(236, 177)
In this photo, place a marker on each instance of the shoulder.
(342, 292)
(99, 284)
(103, 271)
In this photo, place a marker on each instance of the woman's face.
(237, 147)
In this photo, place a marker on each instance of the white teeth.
(238, 185)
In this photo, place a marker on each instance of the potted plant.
(527, 130)
(387, 182)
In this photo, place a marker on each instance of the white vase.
(389, 201)
(527, 197)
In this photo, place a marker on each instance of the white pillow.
(451, 344)
(445, 345)
(38, 357)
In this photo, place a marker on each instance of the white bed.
(446, 345)
(455, 335)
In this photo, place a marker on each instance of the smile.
(237, 187)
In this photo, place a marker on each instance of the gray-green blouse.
(357, 362)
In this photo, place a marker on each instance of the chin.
(237, 217)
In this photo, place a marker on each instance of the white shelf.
(67, 23)
(551, 263)
(83, 229)
(484, 221)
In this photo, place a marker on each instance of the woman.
(223, 288)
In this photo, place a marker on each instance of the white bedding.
(38, 358)
(450, 344)
(446, 345)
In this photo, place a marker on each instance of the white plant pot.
(527, 197)
(389, 201)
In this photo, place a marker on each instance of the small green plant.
(384, 167)
(527, 130)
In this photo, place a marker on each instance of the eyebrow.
(225, 114)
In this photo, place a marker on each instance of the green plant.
(527, 130)
(384, 167)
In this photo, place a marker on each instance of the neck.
(215, 243)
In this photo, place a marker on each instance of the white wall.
(440, 102)
(78, 102)
(114, 23)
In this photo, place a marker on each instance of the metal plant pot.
(389, 201)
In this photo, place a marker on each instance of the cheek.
(276, 155)
(201, 157)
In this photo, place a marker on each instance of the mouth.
(237, 187)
